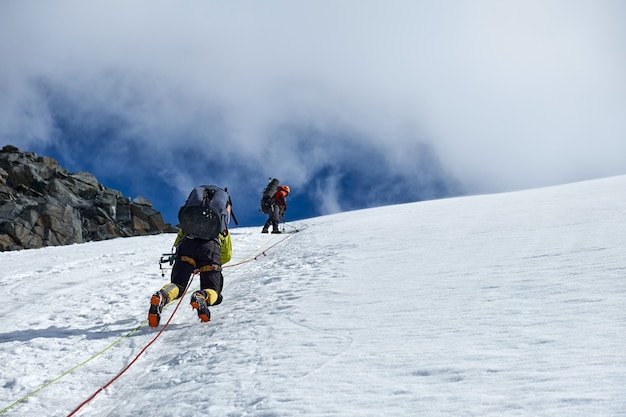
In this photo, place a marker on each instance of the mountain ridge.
(43, 204)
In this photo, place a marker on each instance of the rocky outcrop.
(42, 204)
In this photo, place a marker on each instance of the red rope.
(98, 391)
(256, 257)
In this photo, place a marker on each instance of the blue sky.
(353, 104)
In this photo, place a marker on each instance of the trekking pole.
(282, 218)
(293, 227)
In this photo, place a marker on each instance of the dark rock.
(42, 204)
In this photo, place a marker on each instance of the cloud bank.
(353, 104)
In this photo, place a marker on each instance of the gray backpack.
(268, 194)
(204, 214)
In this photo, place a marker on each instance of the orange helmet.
(285, 188)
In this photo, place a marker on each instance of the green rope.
(30, 394)
(69, 371)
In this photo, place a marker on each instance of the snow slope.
(495, 305)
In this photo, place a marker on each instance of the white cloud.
(509, 95)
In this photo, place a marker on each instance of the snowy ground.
(497, 305)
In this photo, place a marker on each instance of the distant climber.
(274, 204)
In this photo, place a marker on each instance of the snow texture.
(496, 305)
